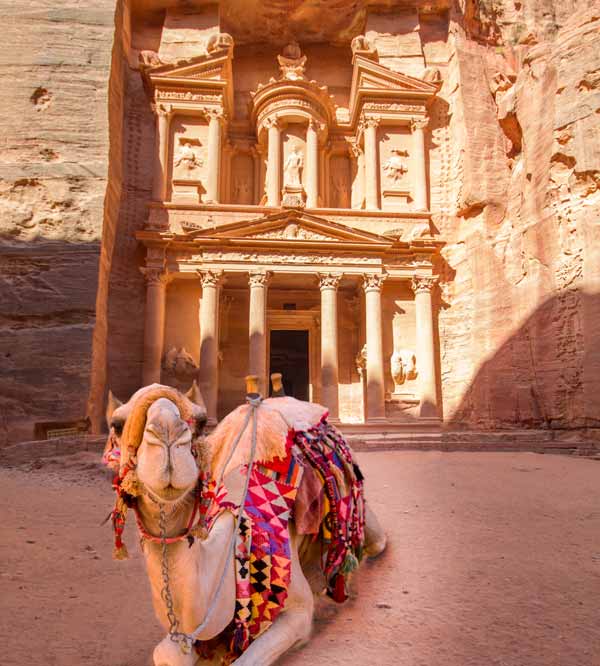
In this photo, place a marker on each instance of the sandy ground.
(494, 559)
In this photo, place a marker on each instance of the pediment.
(209, 67)
(291, 227)
(371, 75)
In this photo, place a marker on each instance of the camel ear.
(195, 396)
(199, 408)
(112, 404)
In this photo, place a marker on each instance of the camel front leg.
(291, 628)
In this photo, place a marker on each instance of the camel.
(193, 584)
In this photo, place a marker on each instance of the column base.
(377, 420)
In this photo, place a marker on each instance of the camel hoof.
(374, 548)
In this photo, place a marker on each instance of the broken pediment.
(195, 79)
(291, 226)
(372, 81)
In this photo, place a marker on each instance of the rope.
(186, 641)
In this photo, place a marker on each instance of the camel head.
(156, 432)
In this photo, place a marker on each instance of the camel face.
(165, 463)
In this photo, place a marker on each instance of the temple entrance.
(289, 355)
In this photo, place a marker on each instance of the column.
(371, 163)
(159, 183)
(419, 164)
(154, 328)
(273, 162)
(215, 117)
(425, 352)
(372, 284)
(328, 283)
(208, 375)
(312, 165)
(257, 328)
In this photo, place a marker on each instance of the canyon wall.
(55, 68)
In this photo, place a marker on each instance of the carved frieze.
(186, 96)
(280, 258)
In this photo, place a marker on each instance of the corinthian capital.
(373, 281)
(423, 283)
(155, 276)
(162, 109)
(371, 121)
(329, 280)
(214, 113)
(210, 278)
(418, 123)
(271, 121)
(259, 278)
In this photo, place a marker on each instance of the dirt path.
(494, 560)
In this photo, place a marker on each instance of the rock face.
(519, 179)
(53, 164)
(514, 161)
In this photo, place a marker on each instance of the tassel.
(130, 484)
(120, 552)
(199, 531)
(350, 563)
(338, 593)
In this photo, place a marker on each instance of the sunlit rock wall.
(517, 176)
(54, 72)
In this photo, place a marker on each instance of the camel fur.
(156, 429)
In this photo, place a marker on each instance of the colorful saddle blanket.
(333, 495)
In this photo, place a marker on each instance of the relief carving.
(180, 363)
(403, 367)
(394, 167)
(187, 157)
(291, 169)
(292, 63)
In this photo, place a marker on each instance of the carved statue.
(186, 156)
(180, 363)
(292, 63)
(360, 360)
(403, 366)
(361, 44)
(394, 167)
(291, 168)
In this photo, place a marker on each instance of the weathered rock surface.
(53, 161)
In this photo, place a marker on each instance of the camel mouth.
(170, 493)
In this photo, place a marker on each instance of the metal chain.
(174, 633)
(186, 641)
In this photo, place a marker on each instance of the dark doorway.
(289, 355)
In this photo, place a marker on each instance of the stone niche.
(242, 189)
(189, 165)
(395, 168)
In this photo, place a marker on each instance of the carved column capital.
(354, 147)
(161, 109)
(270, 122)
(155, 276)
(423, 283)
(213, 113)
(418, 124)
(259, 278)
(210, 278)
(329, 280)
(373, 281)
(370, 121)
